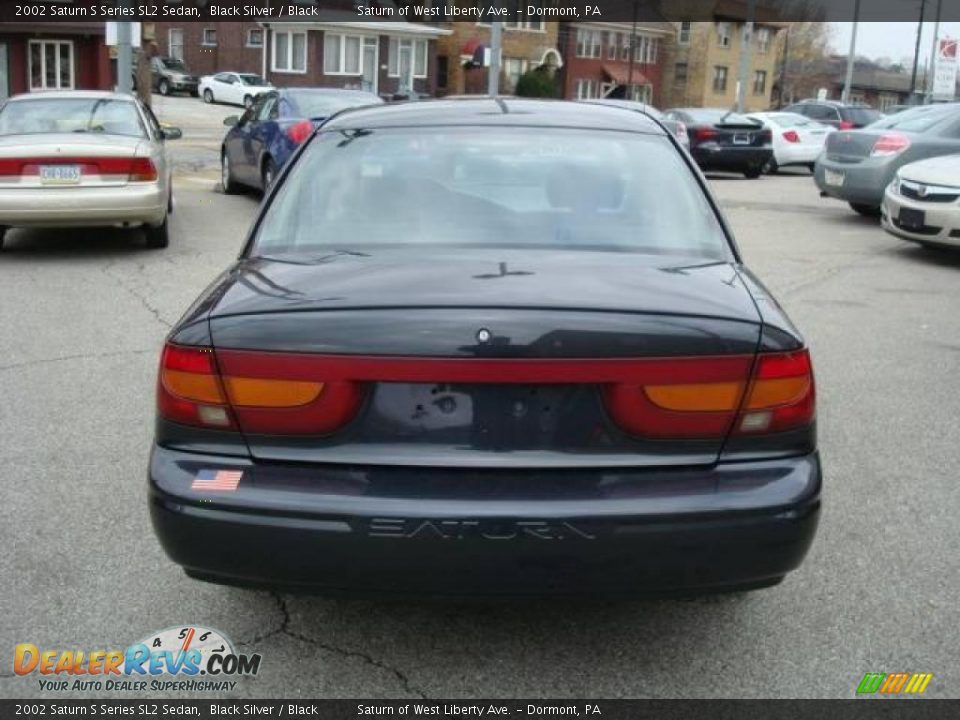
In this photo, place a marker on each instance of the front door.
(371, 64)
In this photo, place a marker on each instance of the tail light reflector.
(781, 395)
(189, 389)
(704, 133)
(845, 125)
(791, 136)
(300, 131)
(890, 144)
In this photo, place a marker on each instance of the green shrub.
(537, 83)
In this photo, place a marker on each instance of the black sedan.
(490, 346)
(723, 140)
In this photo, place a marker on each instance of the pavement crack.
(138, 295)
(344, 652)
(67, 358)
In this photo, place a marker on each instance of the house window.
(588, 43)
(720, 79)
(175, 43)
(613, 44)
(683, 37)
(341, 54)
(587, 89)
(524, 25)
(625, 41)
(289, 51)
(51, 65)
(680, 72)
(763, 40)
(647, 50)
(400, 47)
(209, 37)
(513, 68)
(760, 82)
(723, 34)
(255, 38)
(639, 48)
(641, 93)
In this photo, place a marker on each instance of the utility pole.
(932, 67)
(916, 55)
(746, 50)
(783, 67)
(633, 50)
(852, 54)
(125, 52)
(493, 78)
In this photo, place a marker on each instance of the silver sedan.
(84, 158)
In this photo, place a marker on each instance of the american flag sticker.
(217, 480)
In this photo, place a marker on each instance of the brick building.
(383, 57)
(53, 56)
(598, 60)
(526, 45)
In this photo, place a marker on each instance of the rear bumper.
(353, 529)
(133, 204)
(710, 156)
(863, 183)
(797, 154)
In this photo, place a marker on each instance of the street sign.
(945, 71)
(111, 38)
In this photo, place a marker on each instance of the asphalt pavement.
(84, 317)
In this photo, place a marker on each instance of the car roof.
(834, 103)
(323, 91)
(77, 94)
(489, 111)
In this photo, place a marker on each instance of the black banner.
(33, 11)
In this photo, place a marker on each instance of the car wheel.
(170, 200)
(226, 175)
(158, 237)
(770, 167)
(269, 173)
(208, 95)
(195, 93)
(866, 210)
(247, 101)
(164, 87)
(752, 173)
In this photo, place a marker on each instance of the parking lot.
(84, 317)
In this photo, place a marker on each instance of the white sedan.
(233, 88)
(797, 140)
(923, 202)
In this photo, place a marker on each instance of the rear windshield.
(321, 105)
(716, 115)
(251, 79)
(862, 115)
(173, 64)
(491, 188)
(789, 119)
(918, 119)
(71, 115)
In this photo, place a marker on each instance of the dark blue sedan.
(261, 140)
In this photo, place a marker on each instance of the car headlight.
(895, 184)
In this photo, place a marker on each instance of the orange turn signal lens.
(781, 391)
(192, 386)
(259, 392)
(696, 397)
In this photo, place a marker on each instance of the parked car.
(724, 140)
(894, 109)
(676, 127)
(843, 116)
(84, 158)
(260, 142)
(922, 203)
(233, 88)
(171, 75)
(858, 165)
(489, 346)
(797, 140)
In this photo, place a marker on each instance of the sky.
(894, 40)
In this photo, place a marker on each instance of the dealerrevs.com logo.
(188, 658)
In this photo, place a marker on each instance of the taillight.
(706, 398)
(142, 170)
(846, 125)
(135, 169)
(300, 131)
(704, 133)
(890, 144)
(791, 136)
(250, 391)
(766, 136)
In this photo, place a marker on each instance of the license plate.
(741, 139)
(833, 178)
(911, 219)
(60, 174)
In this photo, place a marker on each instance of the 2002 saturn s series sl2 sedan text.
(488, 346)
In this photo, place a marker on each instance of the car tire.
(872, 211)
(230, 186)
(164, 87)
(247, 101)
(770, 167)
(170, 200)
(158, 237)
(812, 167)
(208, 95)
(268, 174)
(752, 173)
(195, 93)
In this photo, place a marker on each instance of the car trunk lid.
(64, 160)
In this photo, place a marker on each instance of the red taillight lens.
(189, 390)
(704, 133)
(135, 169)
(300, 131)
(142, 170)
(781, 395)
(890, 144)
(845, 125)
(791, 136)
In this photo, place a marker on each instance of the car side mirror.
(231, 120)
(168, 132)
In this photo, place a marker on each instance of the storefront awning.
(622, 75)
